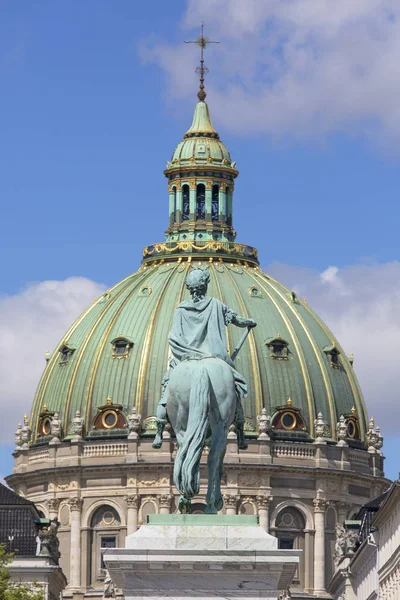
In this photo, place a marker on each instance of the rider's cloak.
(198, 331)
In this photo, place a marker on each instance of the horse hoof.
(184, 505)
(243, 445)
(157, 444)
(219, 503)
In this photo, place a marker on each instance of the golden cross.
(202, 70)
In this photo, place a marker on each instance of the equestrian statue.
(202, 391)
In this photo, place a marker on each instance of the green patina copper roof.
(201, 143)
(201, 123)
(141, 307)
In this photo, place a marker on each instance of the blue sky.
(95, 95)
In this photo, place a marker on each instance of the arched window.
(228, 216)
(201, 202)
(185, 203)
(174, 192)
(290, 533)
(215, 203)
(105, 528)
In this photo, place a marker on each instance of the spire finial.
(202, 70)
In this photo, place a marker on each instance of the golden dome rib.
(146, 345)
(322, 365)
(255, 364)
(296, 343)
(220, 297)
(103, 342)
(54, 360)
(355, 387)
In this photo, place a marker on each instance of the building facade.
(33, 543)
(85, 453)
(372, 571)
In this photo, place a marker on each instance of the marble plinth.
(200, 556)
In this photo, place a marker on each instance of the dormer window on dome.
(121, 347)
(110, 419)
(278, 348)
(255, 292)
(333, 355)
(65, 354)
(288, 418)
(45, 422)
(353, 425)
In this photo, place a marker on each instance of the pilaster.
(165, 503)
(263, 504)
(53, 505)
(319, 546)
(133, 502)
(75, 506)
(230, 503)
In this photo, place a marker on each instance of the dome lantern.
(201, 177)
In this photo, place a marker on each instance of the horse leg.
(239, 423)
(219, 503)
(218, 442)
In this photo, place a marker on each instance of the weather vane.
(203, 42)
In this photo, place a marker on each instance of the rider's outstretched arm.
(243, 322)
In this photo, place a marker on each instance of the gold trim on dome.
(146, 345)
(294, 423)
(255, 363)
(105, 415)
(354, 384)
(296, 344)
(220, 297)
(321, 363)
(104, 341)
(43, 383)
(245, 251)
(180, 296)
(353, 381)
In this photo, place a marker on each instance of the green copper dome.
(140, 310)
(201, 144)
(117, 351)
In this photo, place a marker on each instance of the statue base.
(191, 556)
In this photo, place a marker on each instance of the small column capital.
(75, 504)
(132, 500)
(165, 500)
(231, 500)
(263, 501)
(319, 505)
(53, 504)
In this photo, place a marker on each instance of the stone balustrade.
(260, 452)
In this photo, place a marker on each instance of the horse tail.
(186, 468)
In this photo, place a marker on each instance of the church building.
(84, 454)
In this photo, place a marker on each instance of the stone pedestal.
(207, 556)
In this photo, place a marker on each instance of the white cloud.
(31, 323)
(361, 305)
(294, 67)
